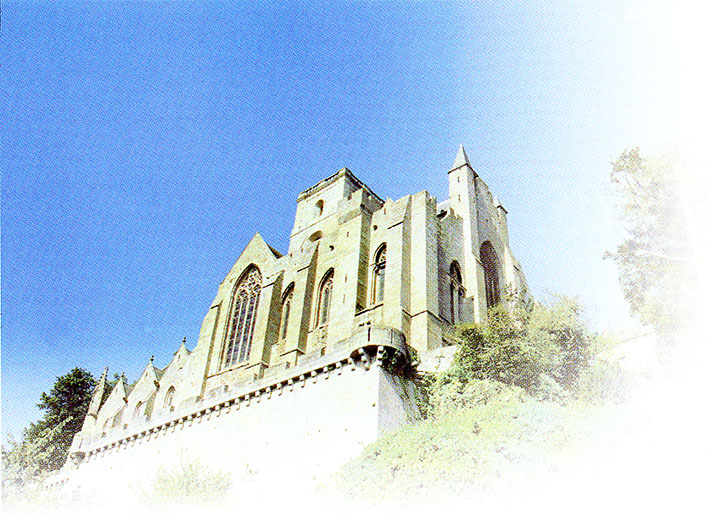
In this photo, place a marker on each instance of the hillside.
(511, 456)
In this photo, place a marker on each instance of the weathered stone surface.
(226, 403)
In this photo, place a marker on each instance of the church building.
(360, 273)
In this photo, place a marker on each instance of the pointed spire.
(97, 397)
(461, 159)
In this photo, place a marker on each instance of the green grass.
(471, 453)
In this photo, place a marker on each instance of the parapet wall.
(302, 427)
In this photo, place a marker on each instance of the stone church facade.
(364, 280)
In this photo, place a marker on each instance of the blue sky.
(143, 144)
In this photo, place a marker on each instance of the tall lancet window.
(492, 277)
(138, 410)
(170, 398)
(325, 298)
(244, 305)
(285, 311)
(380, 264)
(457, 293)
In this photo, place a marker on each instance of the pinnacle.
(461, 159)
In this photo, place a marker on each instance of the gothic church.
(362, 277)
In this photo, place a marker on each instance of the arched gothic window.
(380, 263)
(492, 277)
(138, 410)
(325, 298)
(169, 398)
(117, 418)
(242, 320)
(457, 292)
(285, 311)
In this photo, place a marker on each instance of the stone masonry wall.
(298, 428)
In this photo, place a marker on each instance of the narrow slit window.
(378, 272)
(285, 313)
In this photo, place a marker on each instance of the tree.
(45, 443)
(528, 348)
(658, 261)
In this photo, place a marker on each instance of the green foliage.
(191, 482)
(451, 396)
(470, 453)
(65, 408)
(602, 381)
(45, 443)
(549, 389)
(656, 266)
(26, 461)
(425, 389)
(540, 350)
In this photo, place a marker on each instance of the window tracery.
(325, 298)
(242, 321)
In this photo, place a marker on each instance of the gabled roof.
(257, 247)
(274, 251)
(151, 373)
(182, 349)
(180, 354)
(120, 391)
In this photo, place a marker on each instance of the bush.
(454, 395)
(426, 387)
(191, 482)
(540, 350)
(550, 390)
(602, 381)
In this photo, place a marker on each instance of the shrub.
(191, 482)
(454, 395)
(549, 389)
(540, 350)
(602, 381)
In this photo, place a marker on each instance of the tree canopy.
(45, 444)
(540, 349)
(657, 262)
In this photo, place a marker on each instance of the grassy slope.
(541, 451)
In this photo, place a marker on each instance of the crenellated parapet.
(372, 348)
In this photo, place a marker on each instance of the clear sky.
(143, 145)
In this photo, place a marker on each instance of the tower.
(463, 202)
